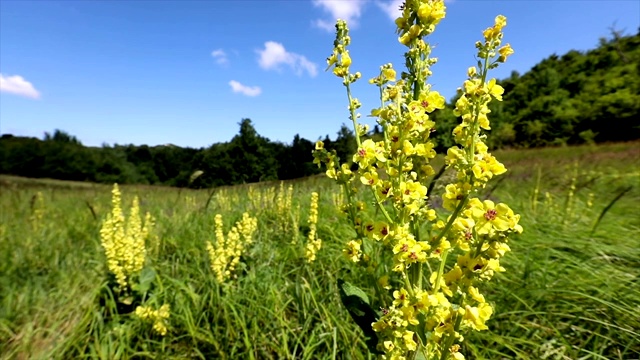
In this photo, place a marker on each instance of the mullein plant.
(430, 302)
(287, 218)
(123, 240)
(225, 255)
(313, 243)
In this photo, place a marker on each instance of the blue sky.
(186, 73)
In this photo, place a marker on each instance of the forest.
(576, 98)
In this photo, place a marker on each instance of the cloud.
(237, 87)
(220, 56)
(17, 85)
(348, 11)
(274, 55)
(391, 8)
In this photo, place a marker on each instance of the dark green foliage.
(571, 99)
(247, 158)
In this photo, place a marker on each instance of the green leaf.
(358, 306)
(147, 276)
(421, 327)
(420, 355)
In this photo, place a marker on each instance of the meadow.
(571, 289)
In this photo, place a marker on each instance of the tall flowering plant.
(438, 262)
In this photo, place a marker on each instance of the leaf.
(147, 276)
(420, 355)
(358, 306)
(420, 329)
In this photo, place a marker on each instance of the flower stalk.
(412, 239)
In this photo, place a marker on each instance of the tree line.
(247, 158)
(570, 99)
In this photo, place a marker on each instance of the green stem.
(441, 270)
(476, 112)
(453, 217)
(352, 110)
(407, 283)
(451, 338)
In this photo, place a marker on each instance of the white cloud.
(220, 56)
(391, 8)
(274, 54)
(348, 11)
(17, 85)
(237, 87)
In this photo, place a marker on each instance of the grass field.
(571, 289)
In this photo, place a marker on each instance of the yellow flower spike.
(124, 241)
(313, 244)
(226, 253)
(396, 169)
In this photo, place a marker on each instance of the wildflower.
(124, 241)
(397, 169)
(353, 251)
(313, 244)
(157, 317)
(505, 52)
(490, 217)
(225, 254)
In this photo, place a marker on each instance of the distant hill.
(579, 97)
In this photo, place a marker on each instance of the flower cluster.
(124, 241)
(431, 304)
(157, 317)
(225, 255)
(313, 243)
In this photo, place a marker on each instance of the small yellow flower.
(495, 90)
(505, 52)
(352, 251)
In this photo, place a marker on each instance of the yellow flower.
(488, 216)
(505, 52)
(353, 251)
(369, 151)
(370, 178)
(389, 74)
(495, 90)
(477, 316)
(475, 294)
(432, 12)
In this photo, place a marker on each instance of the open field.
(571, 289)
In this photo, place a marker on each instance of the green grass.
(568, 293)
